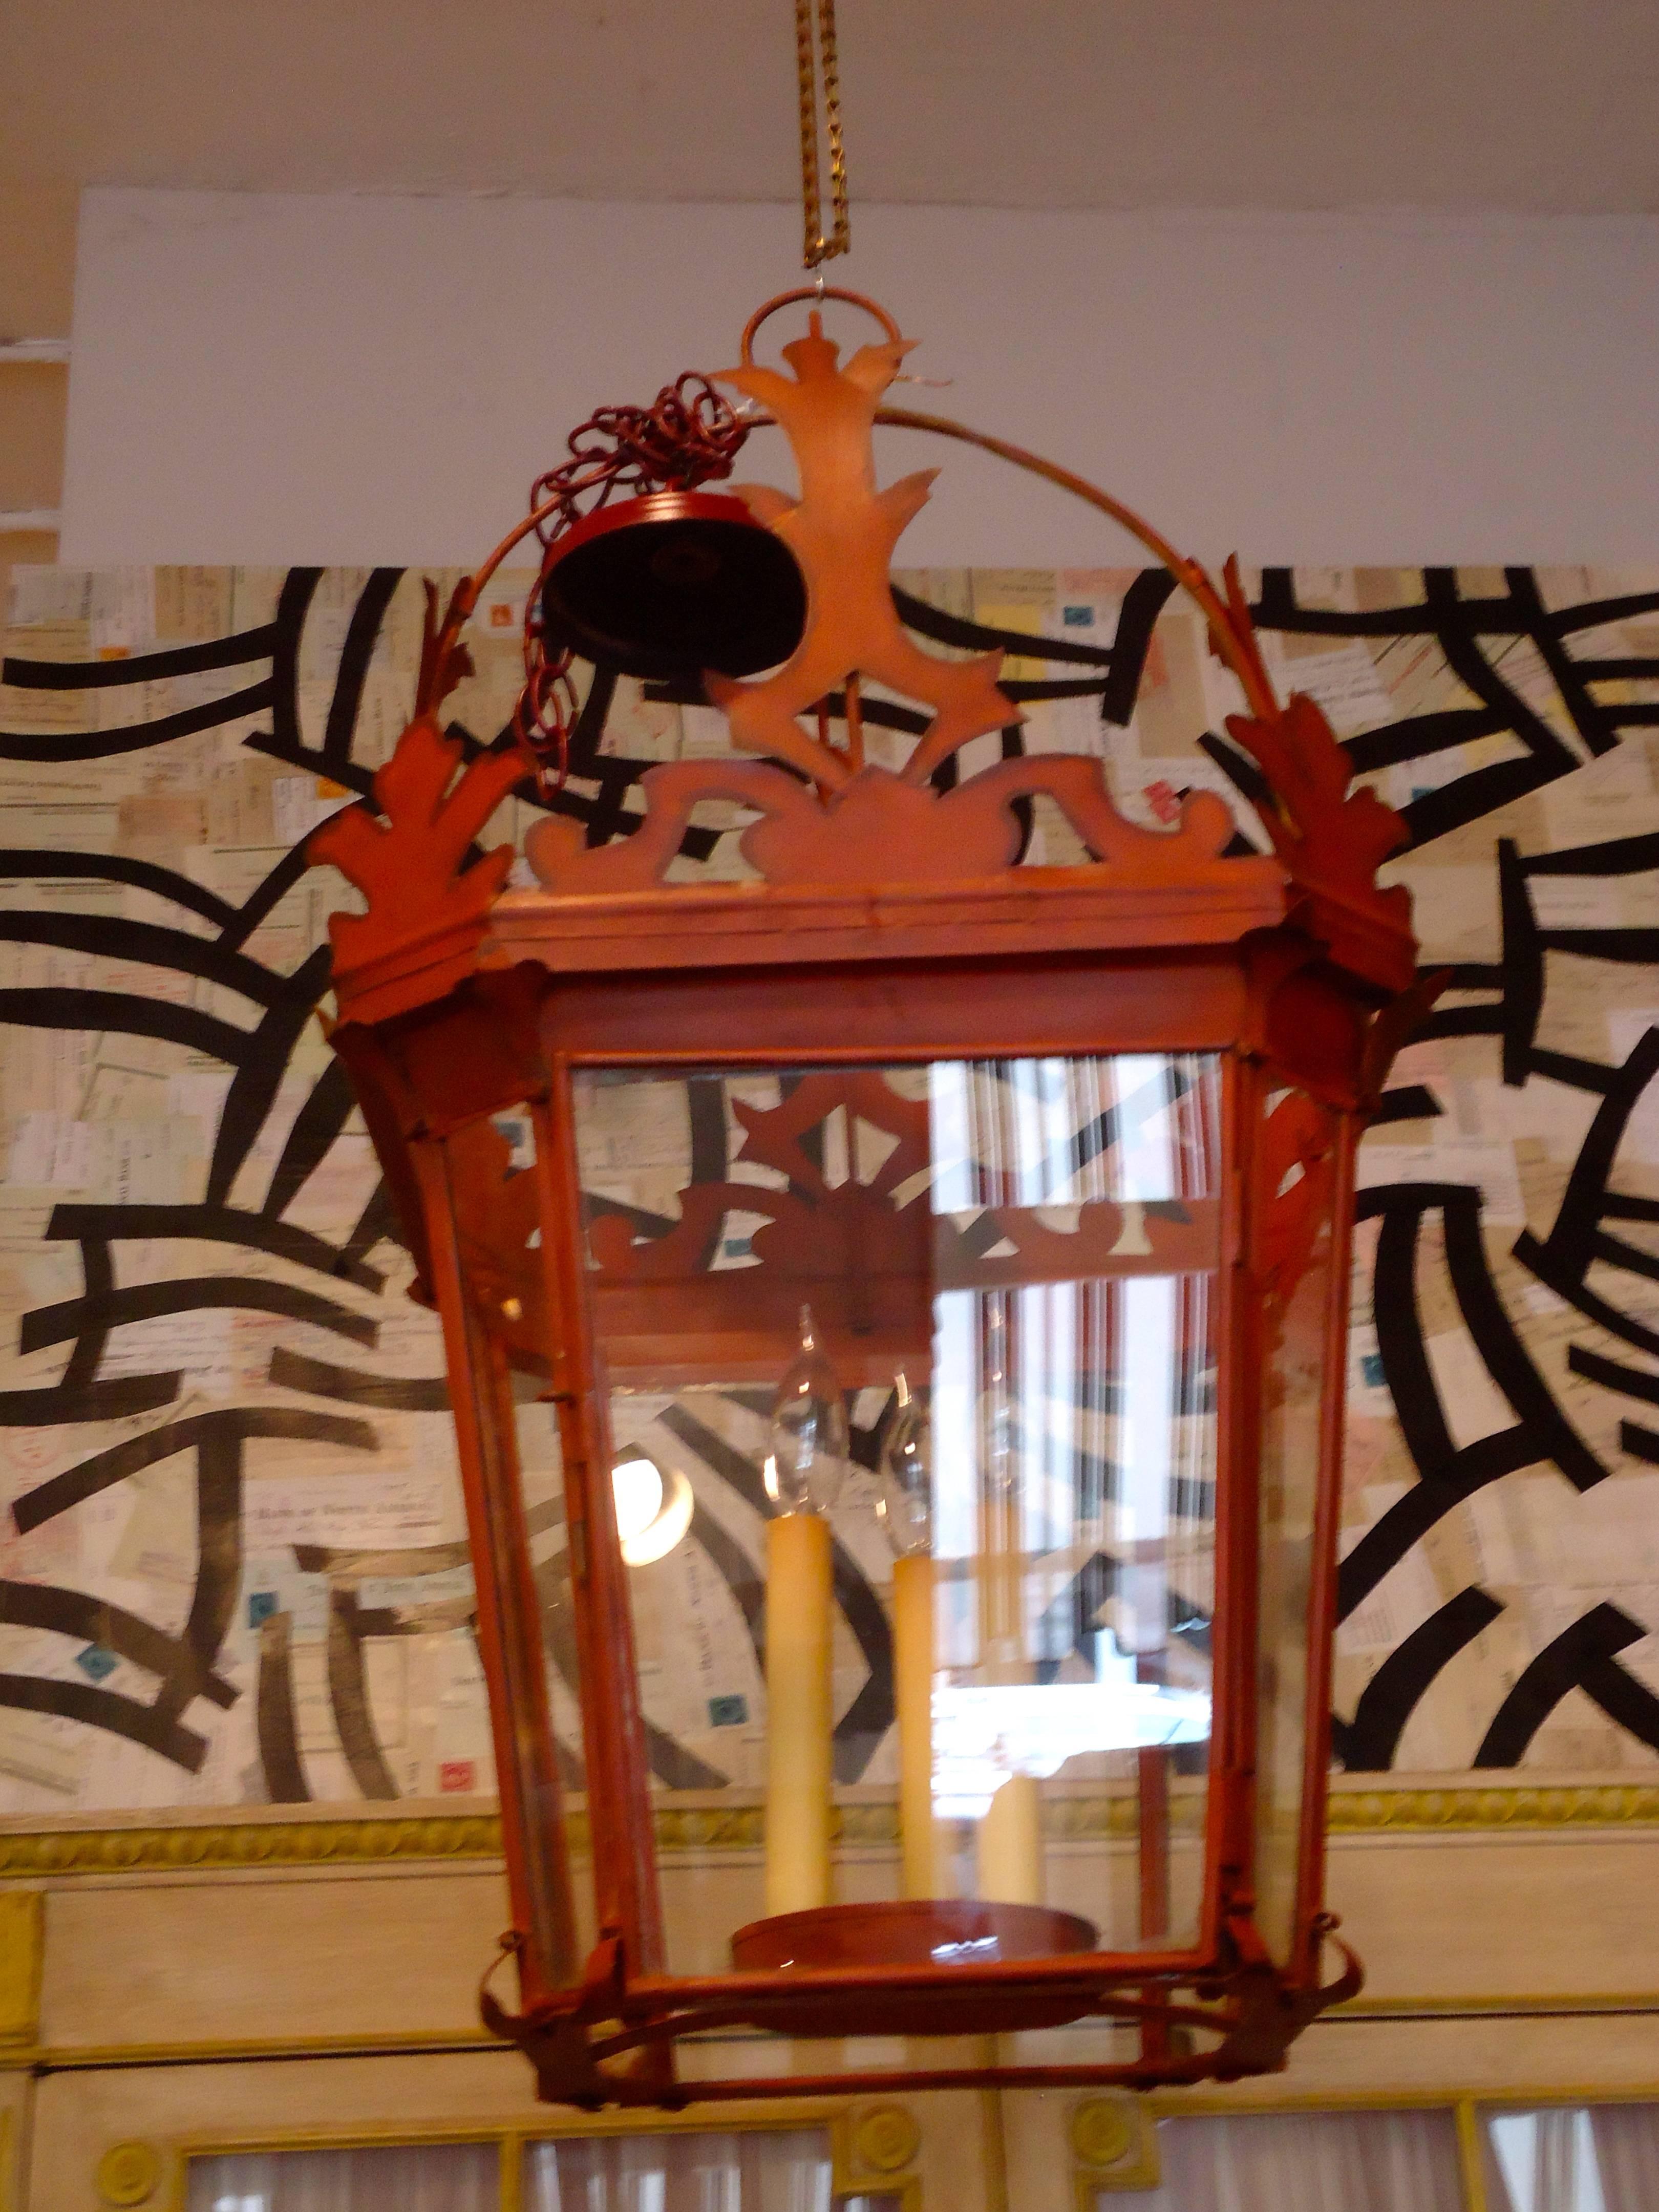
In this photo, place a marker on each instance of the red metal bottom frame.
(612, 2043)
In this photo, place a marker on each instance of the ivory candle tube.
(1010, 1844)
(913, 1676)
(800, 1717)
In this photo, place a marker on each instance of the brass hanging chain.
(813, 67)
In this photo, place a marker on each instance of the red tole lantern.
(896, 1314)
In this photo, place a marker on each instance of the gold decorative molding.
(1114, 2144)
(1417, 2097)
(128, 2173)
(218, 1847)
(884, 2139)
(743, 1827)
(1479, 1806)
(1471, 2156)
(21, 1941)
(1102, 2132)
(1111, 1817)
(874, 2149)
(395, 1838)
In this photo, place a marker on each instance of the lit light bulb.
(653, 1513)
(636, 1484)
(807, 1462)
(905, 1507)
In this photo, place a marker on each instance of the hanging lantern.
(1052, 1167)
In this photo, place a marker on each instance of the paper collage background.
(232, 1563)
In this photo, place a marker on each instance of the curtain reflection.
(697, 2170)
(400, 2177)
(1571, 2159)
(1303, 2162)
(1075, 1419)
(692, 2171)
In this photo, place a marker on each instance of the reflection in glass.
(654, 1507)
(698, 2170)
(1033, 1246)
(1546, 2162)
(807, 1463)
(905, 1507)
(1604, 2158)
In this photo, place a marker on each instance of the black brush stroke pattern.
(219, 1003)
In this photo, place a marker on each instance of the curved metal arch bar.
(1223, 615)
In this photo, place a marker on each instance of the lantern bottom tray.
(952, 1934)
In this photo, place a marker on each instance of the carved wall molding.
(50, 1854)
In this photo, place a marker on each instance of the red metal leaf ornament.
(422, 898)
(1333, 840)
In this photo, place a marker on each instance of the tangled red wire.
(688, 436)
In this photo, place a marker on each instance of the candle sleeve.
(913, 1672)
(1010, 1844)
(799, 1717)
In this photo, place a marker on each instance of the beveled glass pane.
(1033, 1245)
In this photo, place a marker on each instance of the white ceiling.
(1538, 106)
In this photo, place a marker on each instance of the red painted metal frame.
(1311, 1918)
(606, 2033)
(1280, 965)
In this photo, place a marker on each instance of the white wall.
(270, 378)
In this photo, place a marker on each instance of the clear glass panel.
(1569, 2158)
(1295, 1161)
(542, 1479)
(491, 1166)
(691, 2171)
(1032, 1245)
(1339, 2161)
(400, 2177)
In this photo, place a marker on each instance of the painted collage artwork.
(233, 1569)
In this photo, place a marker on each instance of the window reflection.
(1602, 2158)
(1033, 1244)
(1074, 1419)
(695, 2171)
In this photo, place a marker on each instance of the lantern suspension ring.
(817, 293)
